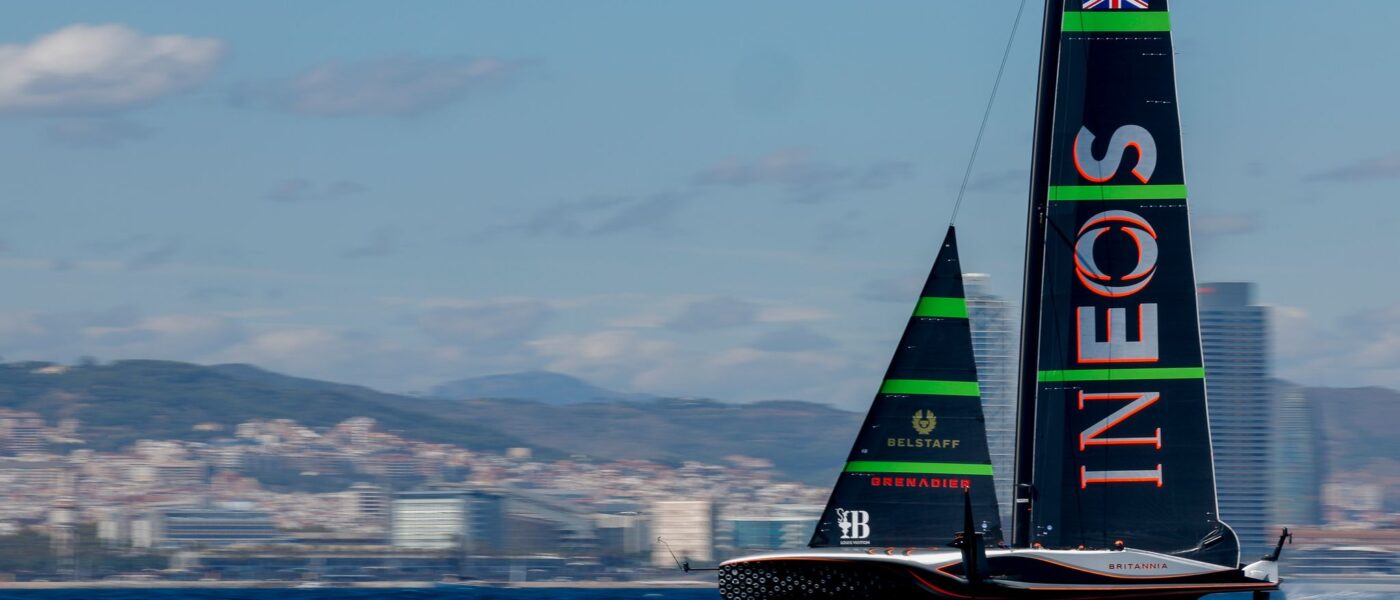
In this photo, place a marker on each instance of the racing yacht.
(1114, 491)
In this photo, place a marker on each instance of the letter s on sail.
(1127, 136)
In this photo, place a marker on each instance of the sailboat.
(1114, 492)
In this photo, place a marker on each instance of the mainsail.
(1121, 445)
(924, 439)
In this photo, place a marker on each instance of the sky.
(724, 199)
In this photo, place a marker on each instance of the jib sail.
(924, 439)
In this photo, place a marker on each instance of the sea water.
(1300, 592)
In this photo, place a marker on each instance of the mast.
(1021, 492)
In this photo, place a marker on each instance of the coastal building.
(447, 519)
(995, 327)
(687, 526)
(1240, 393)
(368, 507)
(226, 524)
(1297, 463)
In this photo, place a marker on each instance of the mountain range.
(555, 415)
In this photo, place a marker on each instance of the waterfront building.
(1297, 460)
(1240, 392)
(227, 524)
(447, 519)
(23, 433)
(368, 507)
(687, 526)
(994, 339)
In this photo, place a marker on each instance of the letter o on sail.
(1127, 136)
(1088, 269)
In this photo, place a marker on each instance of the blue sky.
(713, 199)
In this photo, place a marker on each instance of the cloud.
(891, 289)
(383, 241)
(802, 178)
(1006, 180)
(91, 69)
(1360, 348)
(298, 189)
(95, 132)
(402, 86)
(796, 338)
(1223, 224)
(714, 313)
(216, 293)
(600, 216)
(486, 321)
(606, 355)
(747, 374)
(1376, 168)
(142, 251)
(120, 331)
(154, 256)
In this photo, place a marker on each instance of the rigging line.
(987, 113)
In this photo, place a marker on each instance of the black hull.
(831, 579)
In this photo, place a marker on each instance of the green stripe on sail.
(929, 387)
(1123, 374)
(955, 308)
(1117, 21)
(1062, 193)
(920, 468)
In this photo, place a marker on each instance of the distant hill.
(544, 386)
(128, 400)
(805, 441)
(554, 414)
(1359, 427)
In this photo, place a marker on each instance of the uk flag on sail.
(1114, 4)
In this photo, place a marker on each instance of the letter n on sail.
(1137, 401)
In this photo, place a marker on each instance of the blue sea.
(465, 593)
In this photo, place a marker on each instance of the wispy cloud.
(297, 189)
(400, 86)
(495, 321)
(1224, 224)
(891, 289)
(141, 251)
(1376, 168)
(803, 178)
(794, 338)
(714, 313)
(89, 69)
(95, 132)
(382, 242)
(598, 216)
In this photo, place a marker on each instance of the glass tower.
(994, 337)
(1240, 392)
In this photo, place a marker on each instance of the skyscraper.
(994, 330)
(1240, 392)
(1297, 460)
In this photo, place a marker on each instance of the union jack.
(1114, 4)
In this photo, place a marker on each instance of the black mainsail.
(1121, 447)
(924, 439)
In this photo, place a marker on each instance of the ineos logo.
(1096, 279)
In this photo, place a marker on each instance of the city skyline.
(475, 189)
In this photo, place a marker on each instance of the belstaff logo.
(854, 524)
(924, 422)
